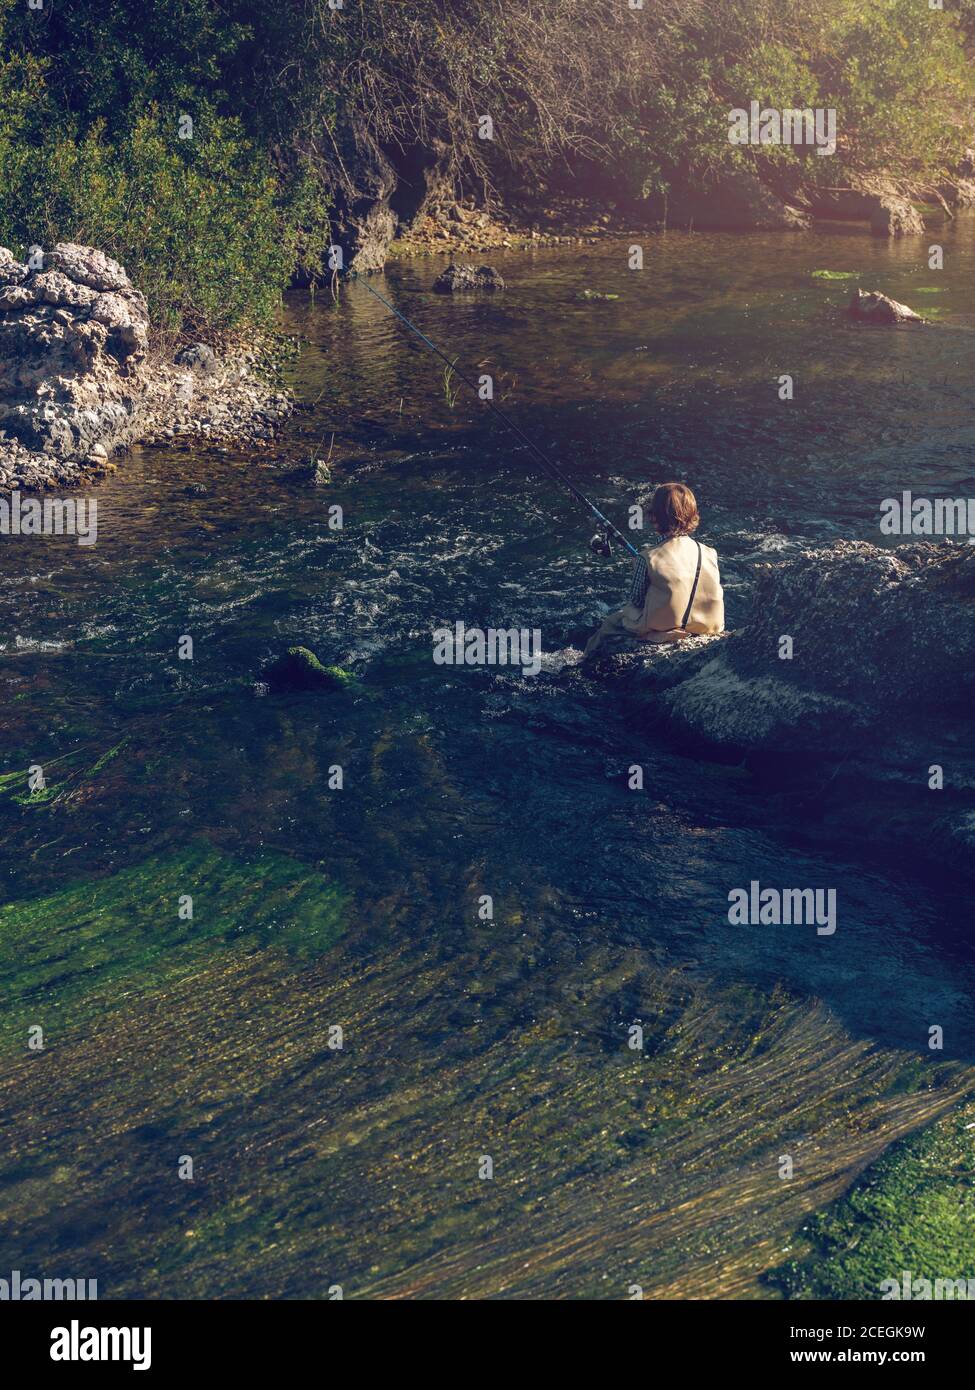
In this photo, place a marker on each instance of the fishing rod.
(552, 467)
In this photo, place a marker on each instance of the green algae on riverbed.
(913, 1211)
(67, 958)
(17, 784)
(359, 1166)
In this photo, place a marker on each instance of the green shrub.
(198, 222)
(212, 227)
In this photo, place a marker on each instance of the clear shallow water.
(464, 782)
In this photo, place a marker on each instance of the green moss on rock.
(300, 669)
(913, 1210)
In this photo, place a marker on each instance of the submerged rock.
(468, 277)
(300, 669)
(870, 306)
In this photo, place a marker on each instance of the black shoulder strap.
(697, 575)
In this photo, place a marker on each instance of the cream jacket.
(671, 567)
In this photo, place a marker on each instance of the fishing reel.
(601, 544)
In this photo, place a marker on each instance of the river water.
(357, 1159)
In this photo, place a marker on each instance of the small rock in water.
(300, 669)
(584, 296)
(870, 306)
(468, 277)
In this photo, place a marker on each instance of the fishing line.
(552, 467)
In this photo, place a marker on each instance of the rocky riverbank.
(459, 226)
(82, 376)
(371, 230)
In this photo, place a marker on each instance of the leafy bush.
(895, 72)
(197, 221)
(211, 227)
(902, 87)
